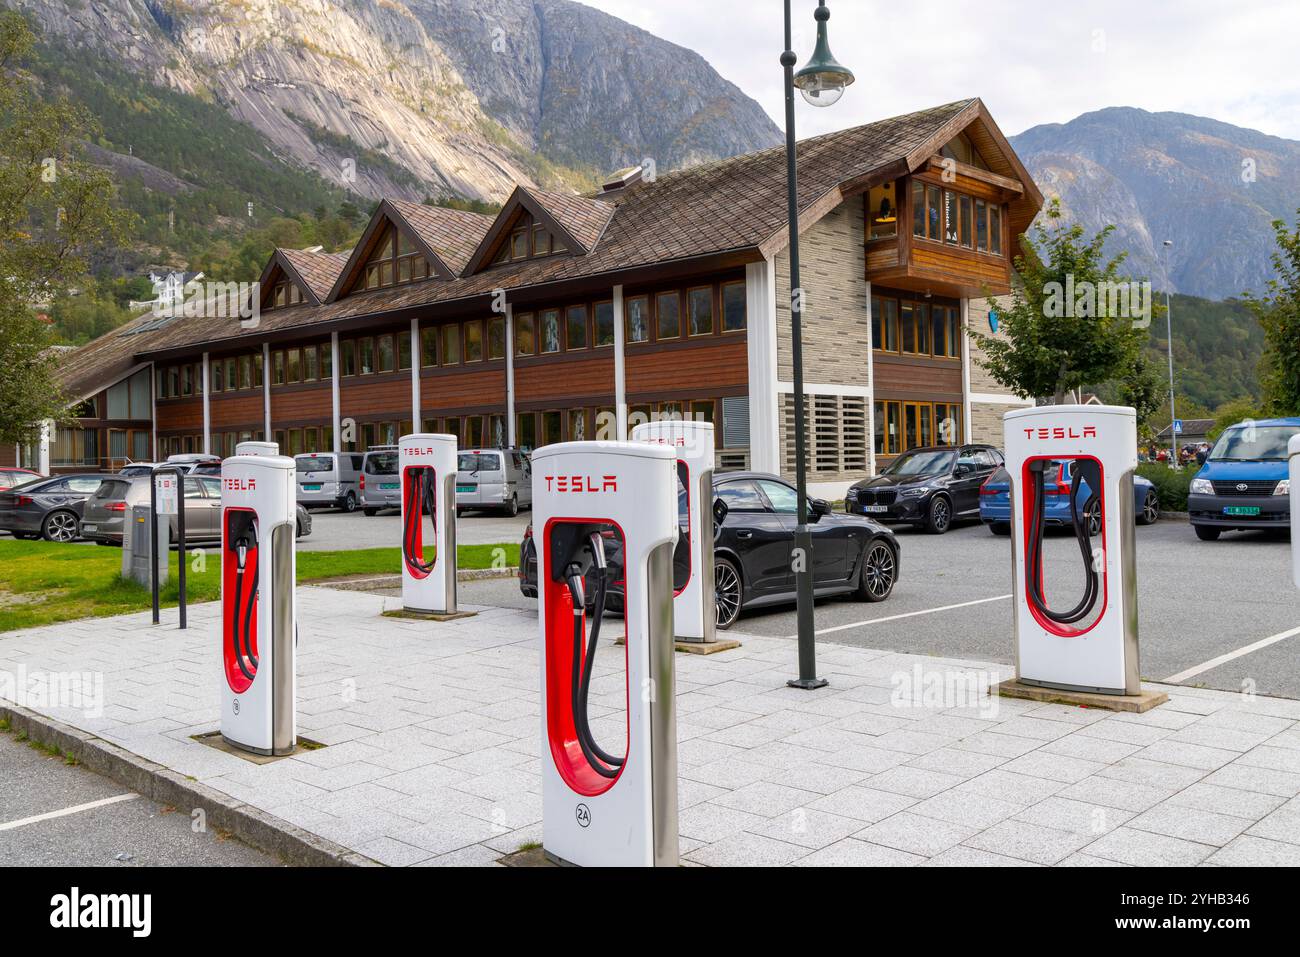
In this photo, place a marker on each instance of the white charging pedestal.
(427, 467)
(258, 604)
(257, 448)
(1100, 653)
(623, 493)
(694, 610)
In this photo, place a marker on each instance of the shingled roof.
(733, 209)
(315, 270)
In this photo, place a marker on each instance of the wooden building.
(567, 317)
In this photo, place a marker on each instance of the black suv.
(928, 488)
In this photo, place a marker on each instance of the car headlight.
(851, 495)
(1283, 487)
(1201, 486)
(915, 492)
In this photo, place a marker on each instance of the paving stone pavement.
(433, 740)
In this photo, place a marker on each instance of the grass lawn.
(44, 582)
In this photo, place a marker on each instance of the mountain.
(1211, 187)
(412, 98)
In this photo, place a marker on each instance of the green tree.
(54, 209)
(1279, 314)
(1056, 344)
(1144, 390)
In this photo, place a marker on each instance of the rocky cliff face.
(1211, 187)
(411, 97)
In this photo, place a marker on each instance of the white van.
(499, 479)
(326, 480)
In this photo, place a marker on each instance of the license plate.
(387, 486)
(465, 488)
(311, 488)
(1241, 510)
(875, 508)
(88, 528)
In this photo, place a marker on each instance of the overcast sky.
(1232, 60)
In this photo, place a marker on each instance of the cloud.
(1031, 62)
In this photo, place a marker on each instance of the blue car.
(1244, 481)
(995, 500)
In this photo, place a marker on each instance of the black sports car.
(48, 508)
(929, 488)
(752, 550)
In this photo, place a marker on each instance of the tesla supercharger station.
(258, 604)
(605, 511)
(257, 448)
(427, 464)
(1293, 453)
(1093, 645)
(694, 611)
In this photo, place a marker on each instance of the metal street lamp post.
(1169, 334)
(821, 83)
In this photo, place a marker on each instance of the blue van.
(1243, 483)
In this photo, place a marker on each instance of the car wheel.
(369, 512)
(879, 572)
(1094, 523)
(350, 502)
(512, 507)
(60, 527)
(1000, 528)
(727, 592)
(939, 517)
(1150, 509)
(1207, 533)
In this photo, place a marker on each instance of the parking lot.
(1197, 602)
(333, 530)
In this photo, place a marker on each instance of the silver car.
(326, 480)
(499, 479)
(381, 486)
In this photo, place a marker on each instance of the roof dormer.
(534, 223)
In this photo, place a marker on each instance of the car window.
(784, 499)
(110, 489)
(741, 497)
(315, 463)
(984, 459)
(83, 485)
(925, 462)
(212, 486)
(356, 462)
(381, 463)
(478, 462)
(192, 488)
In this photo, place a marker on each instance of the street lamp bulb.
(818, 95)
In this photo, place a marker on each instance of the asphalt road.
(1196, 601)
(55, 814)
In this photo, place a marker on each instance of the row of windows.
(910, 425)
(395, 261)
(286, 293)
(231, 374)
(528, 240)
(915, 328)
(956, 219)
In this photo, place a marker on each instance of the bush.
(1171, 484)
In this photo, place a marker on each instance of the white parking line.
(910, 614)
(77, 809)
(1223, 659)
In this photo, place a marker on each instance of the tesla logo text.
(581, 483)
(240, 485)
(1059, 432)
(419, 451)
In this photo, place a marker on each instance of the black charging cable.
(420, 495)
(241, 638)
(602, 762)
(1082, 534)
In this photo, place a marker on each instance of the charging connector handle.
(600, 761)
(421, 495)
(1081, 470)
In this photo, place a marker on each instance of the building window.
(348, 350)
(429, 346)
(310, 364)
(699, 311)
(884, 324)
(995, 229)
(451, 345)
(604, 316)
(327, 361)
(293, 365)
(474, 341)
(901, 426)
(575, 327)
(385, 360)
(668, 315)
(526, 430)
(550, 330)
(285, 293)
(497, 338)
(733, 306)
(527, 240)
(366, 355)
(636, 318)
(395, 260)
(882, 212)
(551, 422)
(258, 372)
(403, 350)
(525, 334)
